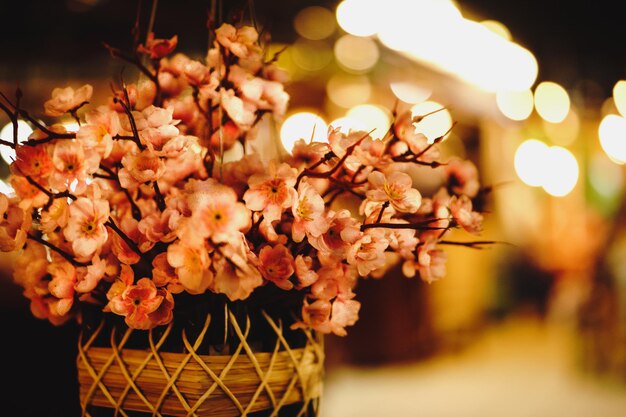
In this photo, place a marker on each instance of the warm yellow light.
(530, 162)
(551, 101)
(23, 131)
(356, 54)
(348, 90)
(359, 18)
(612, 132)
(566, 132)
(346, 124)
(410, 92)
(434, 125)
(619, 96)
(303, 125)
(6, 188)
(605, 177)
(498, 28)
(71, 126)
(516, 105)
(311, 55)
(372, 117)
(561, 172)
(314, 23)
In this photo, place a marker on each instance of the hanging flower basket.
(258, 364)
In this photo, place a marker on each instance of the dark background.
(576, 44)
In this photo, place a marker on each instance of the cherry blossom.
(86, 225)
(277, 265)
(396, 188)
(158, 48)
(136, 303)
(66, 100)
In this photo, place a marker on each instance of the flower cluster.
(137, 205)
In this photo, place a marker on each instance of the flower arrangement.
(137, 206)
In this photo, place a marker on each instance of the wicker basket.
(198, 380)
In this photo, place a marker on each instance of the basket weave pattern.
(191, 384)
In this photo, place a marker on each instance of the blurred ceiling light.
(311, 55)
(23, 131)
(359, 17)
(612, 132)
(303, 125)
(566, 132)
(434, 125)
(562, 172)
(356, 54)
(605, 177)
(498, 28)
(530, 162)
(372, 117)
(348, 90)
(466, 49)
(346, 124)
(619, 96)
(314, 23)
(516, 105)
(551, 101)
(410, 92)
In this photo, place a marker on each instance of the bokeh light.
(356, 54)
(346, 124)
(372, 117)
(516, 105)
(619, 96)
(410, 92)
(358, 17)
(435, 124)
(498, 28)
(551, 101)
(566, 132)
(23, 131)
(530, 162)
(303, 125)
(311, 55)
(347, 90)
(561, 172)
(314, 23)
(605, 177)
(612, 132)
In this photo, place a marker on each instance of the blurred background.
(532, 327)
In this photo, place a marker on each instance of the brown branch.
(414, 226)
(136, 212)
(131, 244)
(61, 252)
(160, 200)
(475, 244)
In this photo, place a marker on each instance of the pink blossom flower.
(237, 173)
(461, 210)
(85, 227)
(89, 277)
(66, 100)
(340, 142)
(304, 154)
(159, 226)
(402, 241)
(342, 233)
(14, 225)
(304, 271)
(140, 168)
(61, 286)
(236, 272)
(241, 112)
(396, 188)
(308, 213)
(192, 266)
(32, 161)
(165, 312)
(136, 303)
(277, 265)
(368, 253)
(124, 253)
(405, 131)
(241, 42)
(158, 48)
(73, 165)
(221, 216)
(164, 275)
(430, 262)
(196, 73)
(335, 280)
(28, 194)
(272, 193)
(102, 125)
(344, 313)
(462, 177)
(315, 315)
